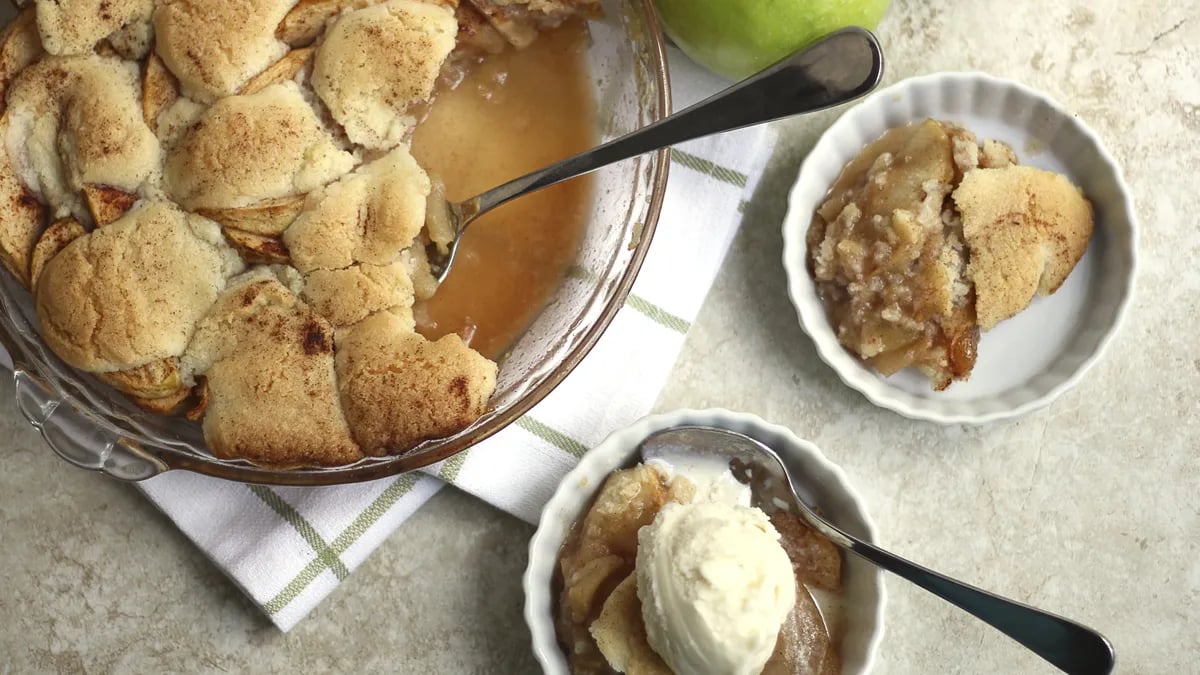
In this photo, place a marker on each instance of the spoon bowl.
(1069, 646)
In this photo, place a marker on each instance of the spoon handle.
(1069, 646)
(839, 68)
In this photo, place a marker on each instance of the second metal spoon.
(1069, 646)
(840, 67)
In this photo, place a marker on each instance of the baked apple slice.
(107, 204)
(476, 33)
(303, 24)
(514, 22)
(268, 218)
(281, 71)
(257, 249)
(620, 633)
(159, 90)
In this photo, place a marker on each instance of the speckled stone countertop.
(1090, 508)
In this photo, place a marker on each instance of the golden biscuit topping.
(76, 122)
(75, 26)
(267, 359)
(216, 46)
(223, 160)
(1027, 228)
(349, 295)
(131, 292)
(427, 390)
(376, 63)
(368, 216)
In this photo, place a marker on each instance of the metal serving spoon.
(1067, 645)
(840, 67)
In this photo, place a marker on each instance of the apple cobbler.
(677, 573)
(219, 206)
(928, 236)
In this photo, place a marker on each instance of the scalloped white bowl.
(862, 598)
(1029, 360)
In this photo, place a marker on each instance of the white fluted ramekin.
(1029, 360)
(862, 593)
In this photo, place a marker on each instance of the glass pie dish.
(91, 425)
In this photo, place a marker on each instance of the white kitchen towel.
(289, 547)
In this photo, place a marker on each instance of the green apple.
(736, 38)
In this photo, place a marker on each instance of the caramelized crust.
(258, 338)
(399, 389)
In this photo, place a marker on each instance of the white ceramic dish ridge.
(1026, 362)
(863, 596)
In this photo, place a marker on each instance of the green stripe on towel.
(303, 527)
(453, 465)
(345, 540)
(658, 314)
(701, 165)
(552, 436)
(637, 302)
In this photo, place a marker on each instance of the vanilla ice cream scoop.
(715, 587)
